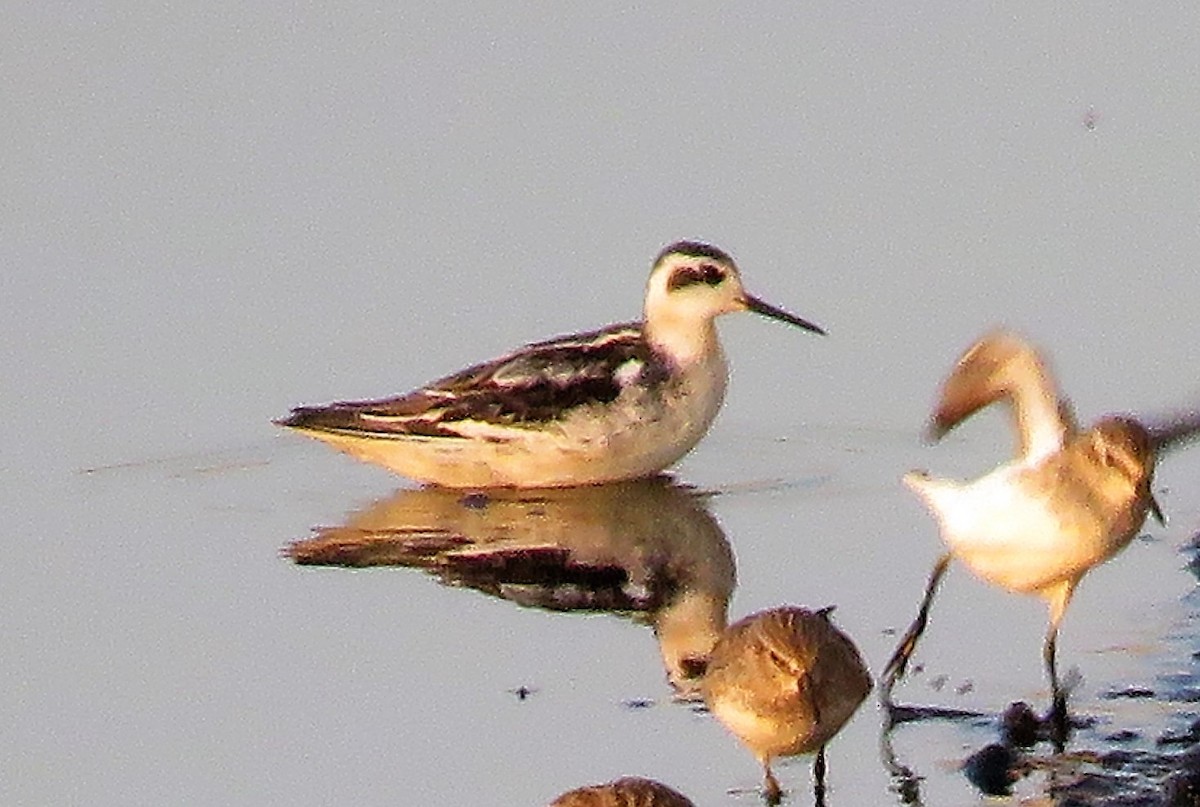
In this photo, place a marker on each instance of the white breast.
(1006, 535)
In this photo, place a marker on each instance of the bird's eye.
(712, 274)
(707, 273)
(1114, 457)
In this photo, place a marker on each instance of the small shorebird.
(1070, 500)
(629, 791)
(618, 403)
(785, 681)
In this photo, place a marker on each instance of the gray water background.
(212, 212)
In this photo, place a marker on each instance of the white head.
(690, 285)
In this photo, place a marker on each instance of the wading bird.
(784, 682)
(1070, 500)
(619, 403)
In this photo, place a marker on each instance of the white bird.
(619, 403)
(1069, 501)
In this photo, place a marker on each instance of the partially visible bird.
(618, 403)
(630, 791)
(784, 682)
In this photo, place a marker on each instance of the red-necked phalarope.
(1070, 500)
(618, 403)
(629, 791)
(784, 682)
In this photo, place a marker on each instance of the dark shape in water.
(1019, 726)
(991, 769)
(1182, 788)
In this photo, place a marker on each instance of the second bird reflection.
(646, 548)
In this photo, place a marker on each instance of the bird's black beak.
(767, 310)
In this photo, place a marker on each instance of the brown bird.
(1069, 501)
(785, 681)
(630, 791)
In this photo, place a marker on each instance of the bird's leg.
(819, 778)
(1059, 724)
(898, 664)
(905, 782)
(772, 794)
(1156, 511)
(1058, 699)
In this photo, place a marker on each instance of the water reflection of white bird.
(1070, 500)
(644, 548)
(784, 682)
(630, 791)
(619, 403)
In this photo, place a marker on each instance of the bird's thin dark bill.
(767, 310)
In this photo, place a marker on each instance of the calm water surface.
(163, 649)
(214, 214)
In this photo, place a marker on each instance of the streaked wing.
(539, 383)
(1004, 367)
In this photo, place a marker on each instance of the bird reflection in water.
(645, 548)
(630, 791)
(785, 681)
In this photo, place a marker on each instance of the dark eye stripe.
(707, 273)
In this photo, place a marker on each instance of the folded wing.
(539, 383)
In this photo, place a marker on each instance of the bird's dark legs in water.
(772, 794)
(898, 664)
(1058, 698)
(1059, 724)
(819, 779)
